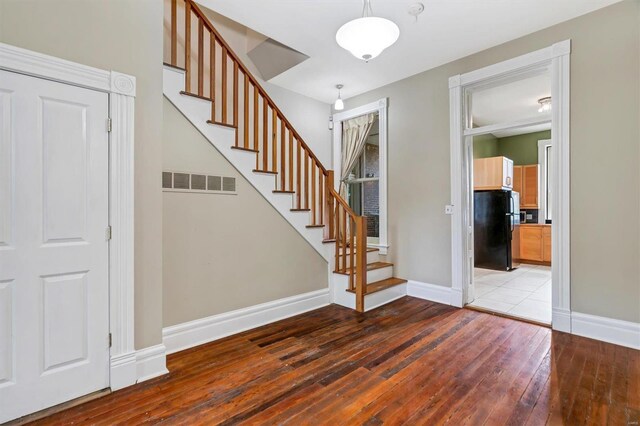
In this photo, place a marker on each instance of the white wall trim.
(151, 362)
(556, 60)
(379, 106)
(193, 333)
(122, 90)
(432, 292)
(542, 182)
(623, 333)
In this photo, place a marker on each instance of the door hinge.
(110, 340)
(107, 233)
(109, 124)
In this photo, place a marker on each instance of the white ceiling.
(511, 102)
(447, 30)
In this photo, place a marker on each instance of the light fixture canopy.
(368, 36)
(545, 104)
(339, 104)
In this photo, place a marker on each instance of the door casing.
(122, 91)
(556, 60)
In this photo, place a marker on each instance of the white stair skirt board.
(198, 111)
(151, 362)
(193, 333)
(432, 292)
(623, 333)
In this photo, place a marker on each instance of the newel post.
(361, 261)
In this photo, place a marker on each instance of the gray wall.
(126, 36)
(605, 153)
(224, 252)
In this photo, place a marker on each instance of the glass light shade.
(367, 37)
(339, 105)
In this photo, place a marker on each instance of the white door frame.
(542, 181)
(380, 107)
(556, 59)
(122, 91)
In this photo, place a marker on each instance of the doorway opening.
(511, 230)
(510, 187)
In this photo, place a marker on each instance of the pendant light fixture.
(545, 104)
(368, 36)
(339, 105)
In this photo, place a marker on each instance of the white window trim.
(556, 59)
(122, 91)
(542, 184)
(380, 107)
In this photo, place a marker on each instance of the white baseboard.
(561, 320)
(623, 333)
(151, 362)
(123, 371)
(432, 292)
(193, 333)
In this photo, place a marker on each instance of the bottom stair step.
(381, 285)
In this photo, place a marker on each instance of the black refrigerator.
(496, 216)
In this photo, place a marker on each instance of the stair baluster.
(307, 177)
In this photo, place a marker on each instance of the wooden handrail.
(263, 93)
(308, 179)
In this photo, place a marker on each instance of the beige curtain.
(354, 137)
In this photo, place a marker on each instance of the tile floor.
(524, 292)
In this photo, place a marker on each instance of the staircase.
(206, 81)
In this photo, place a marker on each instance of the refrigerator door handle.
(513, 218)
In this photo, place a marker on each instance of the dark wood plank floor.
(412, 362)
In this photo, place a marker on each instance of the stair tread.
(195, 95)
(264, 171)
(245, 149)
(330, 240)
(370, 267)
(166, 64)
(315, 226)
(303, 210)
(381, 285)
(282, 191)
(219, 123)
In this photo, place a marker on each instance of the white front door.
(54, 306)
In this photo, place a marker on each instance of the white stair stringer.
(198, 111)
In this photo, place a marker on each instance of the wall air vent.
(197, 183)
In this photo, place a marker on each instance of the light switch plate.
(448, 209)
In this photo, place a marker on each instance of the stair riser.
(379, 274)
(372, 257)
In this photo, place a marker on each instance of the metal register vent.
(198, 182)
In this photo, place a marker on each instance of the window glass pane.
(371, 207)
(372, 157)
(364, 199)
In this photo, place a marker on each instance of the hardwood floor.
(412, 361)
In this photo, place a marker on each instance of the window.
(545, 160)
(363, 186)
